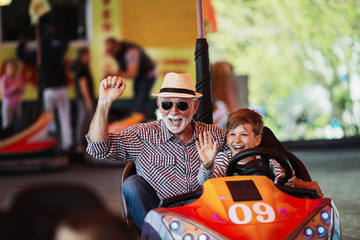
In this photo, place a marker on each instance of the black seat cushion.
(270, 141)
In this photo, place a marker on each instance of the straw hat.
(178, 85)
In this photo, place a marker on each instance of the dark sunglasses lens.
(182, 106)
(166, 105)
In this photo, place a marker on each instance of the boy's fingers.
(292, 179)
(289, 184)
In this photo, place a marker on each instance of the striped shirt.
(168, 165)
(220, 166)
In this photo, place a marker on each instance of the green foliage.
(302, 58)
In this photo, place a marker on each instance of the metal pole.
(200, 19)
(203, 76)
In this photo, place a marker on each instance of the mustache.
(174, 116)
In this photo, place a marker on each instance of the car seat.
(270, 141)
(129, 170)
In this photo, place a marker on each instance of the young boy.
(245, 128)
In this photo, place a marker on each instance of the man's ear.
(196, 105)
(158, 103)
(257, 140)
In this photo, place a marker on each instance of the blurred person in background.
(224, 84)
(54, 45)
(224, 92)
(136, 64)
(12, 88)
(85, 96)
(92, 225)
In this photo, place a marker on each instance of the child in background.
(12, 87)
(244, 131)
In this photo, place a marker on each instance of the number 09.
(265, 213)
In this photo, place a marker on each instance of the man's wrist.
(208, 167)
(104, 103)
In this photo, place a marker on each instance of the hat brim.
(179, 95)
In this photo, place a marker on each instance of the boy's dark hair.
(246, 115)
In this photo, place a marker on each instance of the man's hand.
(111, 88)
(207, 149)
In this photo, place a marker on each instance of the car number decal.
(263, 213)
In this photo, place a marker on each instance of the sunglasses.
(182, 106)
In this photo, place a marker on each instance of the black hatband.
(178, 90)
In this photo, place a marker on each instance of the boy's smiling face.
(242, 137)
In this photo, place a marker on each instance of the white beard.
(176, 129)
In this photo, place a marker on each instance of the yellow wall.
(159, 23)
(165, 28)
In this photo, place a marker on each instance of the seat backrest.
(270, 141)
(129, 170)
(34, 210)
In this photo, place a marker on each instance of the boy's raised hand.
(207, 149)
(111, 88)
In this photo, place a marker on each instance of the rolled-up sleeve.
(123, 146)
(98, 150)
(116, 147)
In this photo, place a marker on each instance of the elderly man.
(164, 151)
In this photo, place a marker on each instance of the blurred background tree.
(302, 59)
